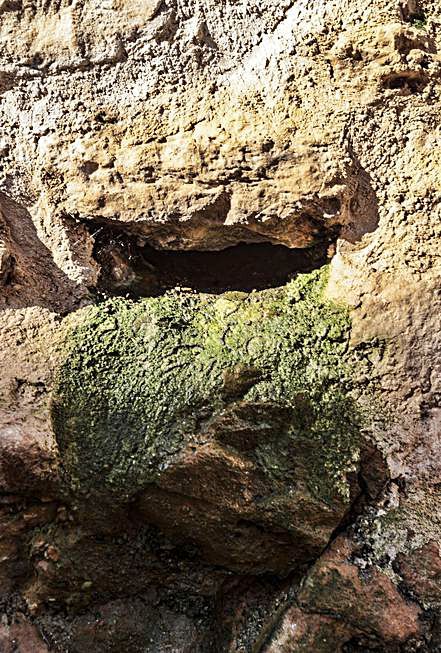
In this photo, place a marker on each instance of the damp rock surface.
(231, 418)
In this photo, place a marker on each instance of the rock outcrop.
(220, 351)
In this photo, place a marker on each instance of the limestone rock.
(237, 473)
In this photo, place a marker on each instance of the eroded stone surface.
(370, 603)
(229, 421)
(197, 128)
(342, 605)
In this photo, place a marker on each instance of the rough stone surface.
(371, 603)
(196, 470)
(239, 428)
(339, 603)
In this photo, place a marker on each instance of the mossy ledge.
(141, 379)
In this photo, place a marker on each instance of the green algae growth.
(141, 378)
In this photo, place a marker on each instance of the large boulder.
(228, 422)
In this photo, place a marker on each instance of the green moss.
(140, 379)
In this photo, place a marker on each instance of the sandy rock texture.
(220, 311)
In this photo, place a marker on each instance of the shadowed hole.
(406, 83)
(140, 270)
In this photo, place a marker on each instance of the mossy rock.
(142, 378)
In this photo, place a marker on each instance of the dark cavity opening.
(406, 83)
(129, 268)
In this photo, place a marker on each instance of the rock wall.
(220, 350)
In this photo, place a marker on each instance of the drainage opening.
(131, 268)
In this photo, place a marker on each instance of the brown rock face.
(242, 519)
(303, 632)
(339, 603)
(208, 443)
(371, 603)
(21, 637)
(421, 572)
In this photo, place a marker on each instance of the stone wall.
(236, 452)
